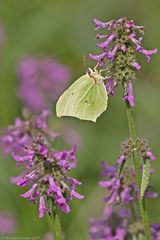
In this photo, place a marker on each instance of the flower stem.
(54, 224)
(136, 162)
(57, 225)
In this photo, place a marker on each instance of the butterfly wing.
(66, 105)
(84, 99)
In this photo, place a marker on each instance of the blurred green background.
(65, 29)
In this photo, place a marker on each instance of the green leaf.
(145, 177)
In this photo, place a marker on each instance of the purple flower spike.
(130, 96)
(122, 42)
(47, 172)
(42, 208)
(150, 155)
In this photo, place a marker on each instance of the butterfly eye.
(86, 101)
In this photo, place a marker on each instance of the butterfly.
(85, 99)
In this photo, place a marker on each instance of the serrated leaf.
(145, 177)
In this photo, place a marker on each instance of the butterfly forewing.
(84, 99)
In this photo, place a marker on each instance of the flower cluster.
(24, 129)
(121, 220)
(46, 172)
(140, 145)
(122, 41)
(29, 142)
(42, 81)
(121, 184)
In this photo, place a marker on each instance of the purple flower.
(132, 37)
(42, 81)
(121, 159)
(110, 85)
(136, 65)
(150, 155)
(111, 54)
(42, 208)
(100, 58)
(107, 41)
(32, 193)
(130, 97)
(99, 24)
(123, 48)
(147, 53)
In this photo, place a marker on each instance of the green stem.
(136, 162)
(57, 225)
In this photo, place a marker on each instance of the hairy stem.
(136, 162)
(57, 225)
(54, 223)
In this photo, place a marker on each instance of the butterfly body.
(85, 99)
